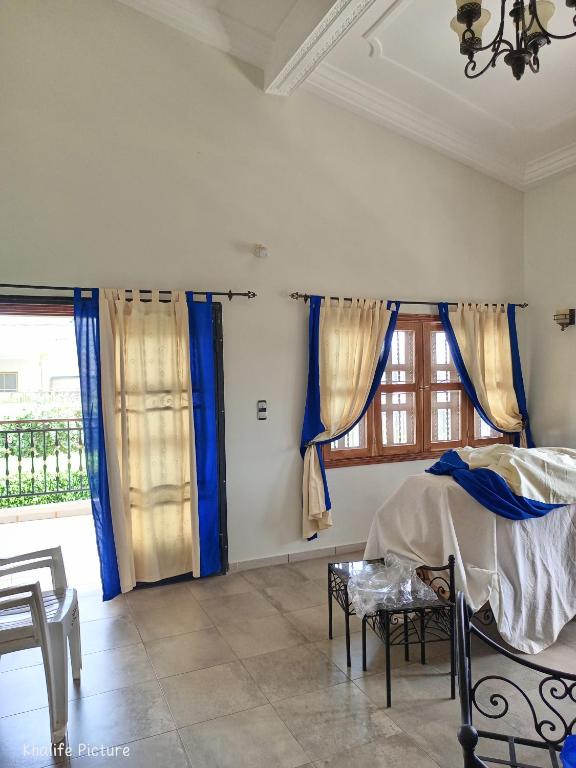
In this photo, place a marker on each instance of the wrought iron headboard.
(555, 688)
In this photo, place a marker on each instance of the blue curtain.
(204, 397)
(312, 425)
(87, 326)
(467, 381)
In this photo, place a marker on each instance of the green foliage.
(34, 484)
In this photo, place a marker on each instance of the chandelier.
(528, 30)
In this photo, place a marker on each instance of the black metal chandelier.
(528, 25)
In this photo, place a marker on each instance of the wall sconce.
(565, 318)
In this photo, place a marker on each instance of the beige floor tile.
(19, 659)
(560, 656)
(249, 605)
(285, 576)
(162, 751)
(257, 636)
(22, 690)
(172, 618)
(287, 599)
(410, 682)
(218, 586)
(329, 721)
(93, 607)
(25, 740)
(255, 738)
(102, 634)
(397, 751)
(153, 597)
(313, 622)
(188, 652)
(119, 717)
(213, 692)
(317, 568)
(294, 670)
(112, 669)
(433, 726)
(335, 650)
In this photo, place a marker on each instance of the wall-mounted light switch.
(262, 410)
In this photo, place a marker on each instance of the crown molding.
(327, 33)
(551, 164)
(209, 26)
(337, 86)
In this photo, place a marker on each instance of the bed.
(525, 569)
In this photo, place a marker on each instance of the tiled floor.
(237, 672)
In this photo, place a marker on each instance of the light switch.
(262, 410)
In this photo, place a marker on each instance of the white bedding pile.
(540, 474)
(526, 569)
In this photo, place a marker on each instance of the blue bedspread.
(489, 489)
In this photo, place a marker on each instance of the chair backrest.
(22, 618)
(32, 561)
(547, 707)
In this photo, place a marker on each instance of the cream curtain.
(350, 344)
(149, 432)
(483, 337)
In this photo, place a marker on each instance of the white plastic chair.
(30, 618)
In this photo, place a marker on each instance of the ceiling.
(397, 62)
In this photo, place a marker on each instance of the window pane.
(398, 418)
(442, 365)
(8, 382)
(445, 416)
(355, 439)
(483, 431)
(400, 367)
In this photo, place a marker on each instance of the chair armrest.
(32, 561)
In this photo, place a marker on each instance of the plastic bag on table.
(392, 583)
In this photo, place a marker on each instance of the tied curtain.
(349, 344)
(483, 340)
(149, 366)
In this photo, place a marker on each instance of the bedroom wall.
(134, 156)
(550, 277)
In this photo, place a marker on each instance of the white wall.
(550, 276)
(137, 157)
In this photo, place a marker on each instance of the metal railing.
(43, 460)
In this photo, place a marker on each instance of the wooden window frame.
(423, 448)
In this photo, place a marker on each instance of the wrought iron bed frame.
(554, 688)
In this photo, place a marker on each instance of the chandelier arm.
(471, 65)
(551, 36)
(548, 35)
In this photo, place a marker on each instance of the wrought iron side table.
(418, 623)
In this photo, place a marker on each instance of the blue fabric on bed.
(489, 489)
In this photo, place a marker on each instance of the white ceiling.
(398, 62)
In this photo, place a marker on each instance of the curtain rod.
(229, 294)
(306, 296)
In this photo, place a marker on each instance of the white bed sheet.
(525, 569)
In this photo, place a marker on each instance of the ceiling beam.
(309, 32)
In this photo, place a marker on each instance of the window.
(8, 382)
(420, 409)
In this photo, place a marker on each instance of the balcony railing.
(43, 461)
